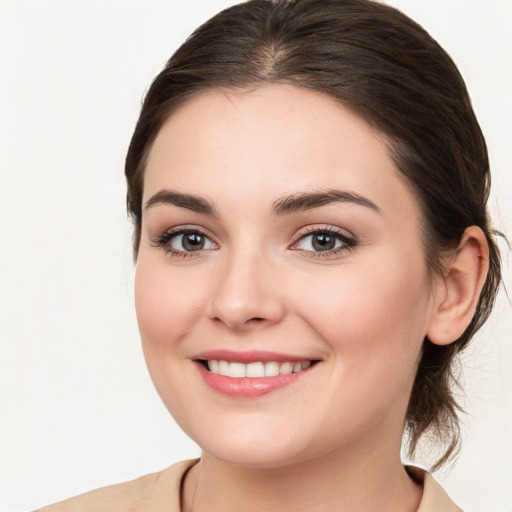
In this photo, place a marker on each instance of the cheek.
(167, 304)
(374, 324)
(371, 311)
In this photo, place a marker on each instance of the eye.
(319, 242)
(329, 241)
(190, 241)
(184, 241)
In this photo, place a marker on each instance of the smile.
(258, 369)
(244, 375)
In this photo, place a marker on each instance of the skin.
(331, 440)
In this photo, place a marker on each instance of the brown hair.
(382, 65)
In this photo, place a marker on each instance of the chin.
(252, 457)
(255, 451)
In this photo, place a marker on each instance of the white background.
(77, 408)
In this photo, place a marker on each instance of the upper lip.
(249, 356)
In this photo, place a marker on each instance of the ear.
(459, 289)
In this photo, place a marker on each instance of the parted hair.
(387, 69)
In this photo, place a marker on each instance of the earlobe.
(459, 290)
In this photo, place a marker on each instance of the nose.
(247, 295)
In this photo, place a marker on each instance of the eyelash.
(348, 242)
(164, 240)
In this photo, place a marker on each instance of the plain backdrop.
(77, 407)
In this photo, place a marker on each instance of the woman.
(308, 184)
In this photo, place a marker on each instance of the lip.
(248, 387)
(250, 356)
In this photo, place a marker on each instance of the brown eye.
(323, 242)
(327, 241)
(190, 241)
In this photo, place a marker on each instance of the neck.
(370, 482)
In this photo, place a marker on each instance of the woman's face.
(277, 233)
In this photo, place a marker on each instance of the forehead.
(273, 140)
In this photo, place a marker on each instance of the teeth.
(286, 368)
(214, 366)
(224, 368)
(256, 370)
(236, 370)
(271, 369)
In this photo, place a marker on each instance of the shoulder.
(149, 493)
(435, 498)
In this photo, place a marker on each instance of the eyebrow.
(309, 200)
(188, 201)
(300, 201)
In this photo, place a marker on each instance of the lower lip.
(247, 387)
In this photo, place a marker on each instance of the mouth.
(255, 370)
(251, 374)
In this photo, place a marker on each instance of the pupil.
(324, 242)
(193, 242)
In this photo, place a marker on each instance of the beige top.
(160, 492)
